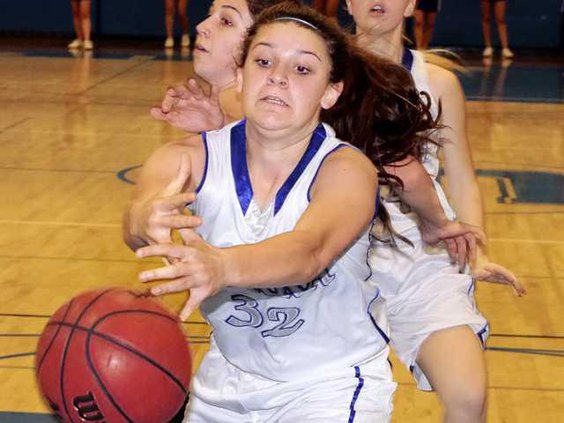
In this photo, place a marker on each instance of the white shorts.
(223, 393)
(424, 293)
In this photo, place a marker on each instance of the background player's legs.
(419, 21)
(499, 12)
(453, 362)
(169, 23)
(85, 23)
(331, 7)
(77, 42)
(327, 7)
(486, 30)
(76, 19)
(428, 27)
(183, 18)
(424, 25)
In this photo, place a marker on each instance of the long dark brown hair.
(379, 110)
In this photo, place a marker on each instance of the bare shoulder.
(171, 152)
(163, 163)
(348, 156)
(442, 82)
(347, 166)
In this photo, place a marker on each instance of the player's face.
(379, 16)
(219, 41)
(285, 78)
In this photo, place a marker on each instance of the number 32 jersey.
(295, 331)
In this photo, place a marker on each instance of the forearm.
(419, 193)
(288, 259)
(132, 240)
(467, 203)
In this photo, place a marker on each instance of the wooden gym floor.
(73, 131)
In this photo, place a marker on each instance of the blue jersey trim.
(239, 166)
(356, 393)
(407, 59)
(241, 171)
(319, 168)
(380, 331)
(315, 143)
(482, 334)
(205, 141)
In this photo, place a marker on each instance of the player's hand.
(485, 270)
(155, 217)
(461, 239)
(188, 108)
(197, 267)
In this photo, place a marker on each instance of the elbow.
(318, 260)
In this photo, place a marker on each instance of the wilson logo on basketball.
(87, 408)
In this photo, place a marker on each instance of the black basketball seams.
(66, 348)
(132, 350)
(52, 339)
(119, 324)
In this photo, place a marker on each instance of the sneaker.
(185, 40)
(76, 43)
(88, 45)
(488, 52)
(169, 42)
(506, 53)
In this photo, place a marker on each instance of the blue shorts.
(430, 6)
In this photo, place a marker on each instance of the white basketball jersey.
(287, 332)
(406, 223)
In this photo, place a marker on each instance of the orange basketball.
(113, 355)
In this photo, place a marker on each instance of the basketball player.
(281, 273)
(499, 7)
(435, 326)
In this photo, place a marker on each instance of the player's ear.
(410, 8)
(332, 94)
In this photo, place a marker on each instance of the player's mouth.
(377, 9)
(272, 99)
(200, 48)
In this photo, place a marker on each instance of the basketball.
(113, 355)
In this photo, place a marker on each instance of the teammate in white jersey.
(282, 276)
(188, 106)
(435, 326)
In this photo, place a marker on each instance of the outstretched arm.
(323, 232)
(419, 193)
(165, 186)
(463, 188)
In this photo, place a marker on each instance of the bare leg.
(319, 5)
(419, 17)
(331, 7)
(499, 11)
(428, 28)
(169, 17)
(76, 20)
(183, 16)
(486, 30)
(453, 361)
(86, 23)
